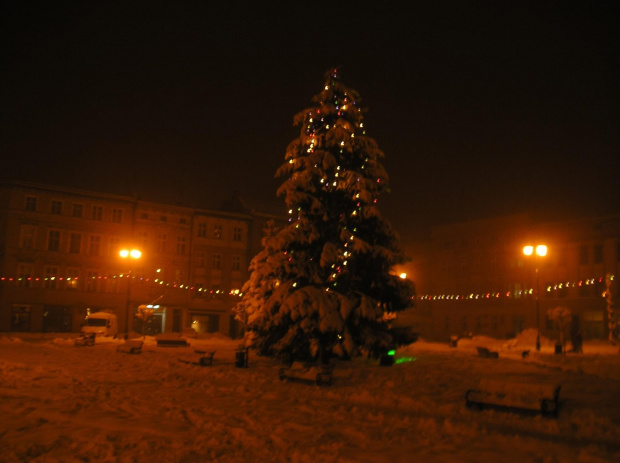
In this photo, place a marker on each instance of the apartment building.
(59, 261)
(473, 277)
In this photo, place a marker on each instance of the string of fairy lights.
(30, 281)
(548, 288)
(490, 295)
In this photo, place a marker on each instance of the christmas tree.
(322, 285)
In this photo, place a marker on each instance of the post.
(537, 311)
(127, 306)
(129, 254)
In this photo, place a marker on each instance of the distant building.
(473, 278)
(59, 261)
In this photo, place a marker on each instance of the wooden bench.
(86, 339)
(131, 346)
(541, 398)
(486, 353)
(171, 340)
(202, 358)
(303, 372)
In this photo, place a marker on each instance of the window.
(31, 203)
(562, 290)
(75, 243)
(20, 318)
(236, 263)
(117, 215)
(94, 245)
(143, 239)
(77, 211)
(161, 243)
(97, 213)
(217, 232)
(56, 207)
(583, 255)
(51, 275)
(217, 262)
(26, 237)
(598, 253)
(24, 275)
(181, 245)
(201, 259)
(92, 281)
(202, 230)
(562, 257)
(53, 241)
(237, 234)
(113, 247)
(586, 289)
(73, 275)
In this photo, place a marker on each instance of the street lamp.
(541, 251)
(129, 254)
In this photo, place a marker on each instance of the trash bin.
(558, 349)
(241, 358)
(454, 340)
(386, 360)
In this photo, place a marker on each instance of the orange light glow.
(133, 253)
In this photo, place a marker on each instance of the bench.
(319, 374)
(131, 346)
(486, 353)
(86, 339)
(541, 398)
(171, 340)
(202, 358)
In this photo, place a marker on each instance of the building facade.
(473, 278)
(60, 261)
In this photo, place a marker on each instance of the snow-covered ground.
(59, 402)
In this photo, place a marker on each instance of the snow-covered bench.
(486, 353)
(170, 340)
(203, 358)
(513, 395)
(131, 346)
(319, 374)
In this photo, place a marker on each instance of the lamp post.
(539, 250)
(129, 254)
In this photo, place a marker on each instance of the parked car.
(102, 324)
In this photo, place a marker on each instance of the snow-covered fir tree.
(323, 285)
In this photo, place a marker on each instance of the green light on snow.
(405, 359)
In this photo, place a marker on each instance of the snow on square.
(62, 402)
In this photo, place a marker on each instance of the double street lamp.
(539, 250)
(129, 254)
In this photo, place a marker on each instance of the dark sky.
(482, 108)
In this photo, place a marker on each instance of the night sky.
(481, 108)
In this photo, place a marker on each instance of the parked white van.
(102, 324)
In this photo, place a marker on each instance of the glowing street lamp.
(539, 250)
(129, 254)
